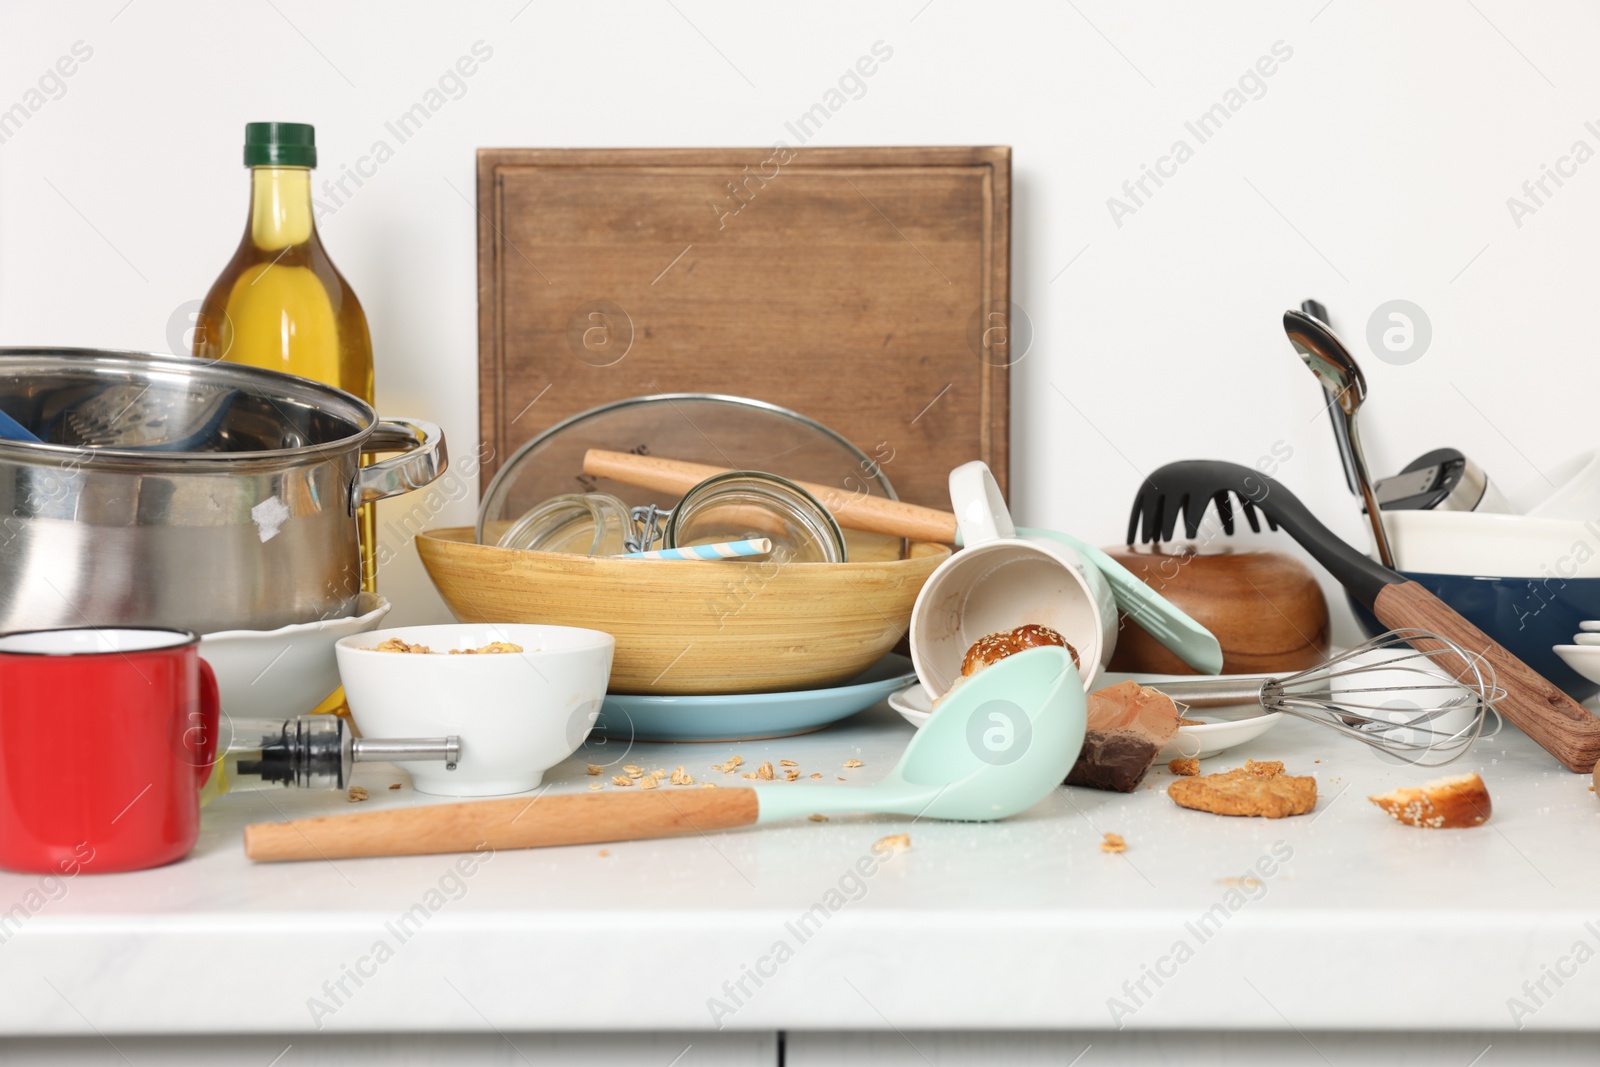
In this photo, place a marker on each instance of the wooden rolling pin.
(854, 511)
(514, 822)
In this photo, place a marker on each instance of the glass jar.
(733, 506)
(738, 505)
(587, 524)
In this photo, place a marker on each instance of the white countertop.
(1025, 924)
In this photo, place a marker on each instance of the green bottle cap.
(280, 144)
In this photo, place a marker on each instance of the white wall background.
(1376, 165)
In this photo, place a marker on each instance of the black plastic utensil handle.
(1193, 483)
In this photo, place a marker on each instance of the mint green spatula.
(997, 745)
(1163, 620)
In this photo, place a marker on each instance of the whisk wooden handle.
(515, 822)
(1562, 727)
(853, 511)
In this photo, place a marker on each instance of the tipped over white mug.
(999, 581)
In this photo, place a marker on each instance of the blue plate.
(749, 718)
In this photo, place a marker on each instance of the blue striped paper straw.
(758, 546)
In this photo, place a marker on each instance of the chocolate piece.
(1117, 762)
(1128, 726)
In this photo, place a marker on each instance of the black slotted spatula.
(1561, 726)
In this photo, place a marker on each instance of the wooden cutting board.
(865, 287)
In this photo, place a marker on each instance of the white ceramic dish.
(1577, 492)
(1506, 546)
(1225, 727)
(277, 674)
(1197, 742)
(517, 714)
(1591, 627)
(1586, 637)
(1584, 659)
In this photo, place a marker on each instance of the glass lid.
(727, 432)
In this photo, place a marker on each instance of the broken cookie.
(1254, 789)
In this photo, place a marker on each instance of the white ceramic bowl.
(1584, 659)
(1000, 581)
(277, 674)
(517, 714)
(1503, 546)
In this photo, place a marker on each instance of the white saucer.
(1194, 742)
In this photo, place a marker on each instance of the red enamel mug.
(106, 736)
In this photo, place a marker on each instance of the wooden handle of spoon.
(512, 822)
(854, 511)
(1562, 727)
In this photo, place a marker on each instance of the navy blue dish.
(1527, 615)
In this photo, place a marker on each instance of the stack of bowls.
(1583, 655)
(1528, 582)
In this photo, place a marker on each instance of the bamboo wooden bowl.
(1265, 608)
(691, 627)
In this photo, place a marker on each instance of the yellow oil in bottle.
(280, 303)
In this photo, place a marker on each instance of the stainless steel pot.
(249, 525)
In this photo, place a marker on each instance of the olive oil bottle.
(280, 303)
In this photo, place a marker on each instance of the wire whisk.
(1426, 704)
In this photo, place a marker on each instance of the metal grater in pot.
(136, 415)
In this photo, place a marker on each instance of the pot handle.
(424, 458)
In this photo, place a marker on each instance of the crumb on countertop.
(893, 843)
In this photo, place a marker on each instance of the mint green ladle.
(997, 745)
